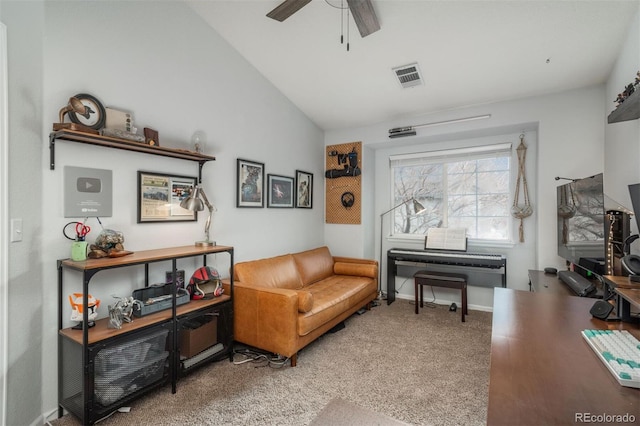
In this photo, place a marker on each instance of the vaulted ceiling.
(468, 52)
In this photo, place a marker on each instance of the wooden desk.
(627, 298)
(631, 295)
(626, 294)
(542, 371)
(616, 281)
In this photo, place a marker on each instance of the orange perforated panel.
(336, 187)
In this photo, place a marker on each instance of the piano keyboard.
(461, 260)
(461, 255)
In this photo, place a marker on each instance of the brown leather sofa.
(283, 303)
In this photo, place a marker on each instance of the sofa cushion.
(305, 300)
(314, 265)
(276, 272)
(333, 296)
(358, 269)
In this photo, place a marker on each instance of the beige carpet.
(340, 412)
(426, 369)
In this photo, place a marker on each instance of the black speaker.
(601, 309)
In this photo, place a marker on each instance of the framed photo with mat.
(160, 195)
(304, 189)
(249, 184)
(280, 191)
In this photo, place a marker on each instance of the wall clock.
(94, 113)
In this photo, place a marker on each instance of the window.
(459, 188)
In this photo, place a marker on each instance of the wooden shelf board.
(111, 142)
(144, 256)
(628, 110)
(101, 331)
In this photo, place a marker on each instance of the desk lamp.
(196, 202)
(419, 209)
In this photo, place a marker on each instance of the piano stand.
(441, 279)
(457, 262)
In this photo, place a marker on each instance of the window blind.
(447, 155)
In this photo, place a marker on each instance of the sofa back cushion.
(314, 265)
(276, 272)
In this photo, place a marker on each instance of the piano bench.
(440, 279)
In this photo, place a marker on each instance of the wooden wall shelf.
(110, 142)
(628, 110)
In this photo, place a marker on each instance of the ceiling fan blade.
(286, 9)
(365, 16)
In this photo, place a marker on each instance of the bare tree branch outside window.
(459, 193)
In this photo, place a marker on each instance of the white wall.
(25, 23)
(565, 134)
(622, 140)
(163, 63)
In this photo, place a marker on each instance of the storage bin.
(197, 335)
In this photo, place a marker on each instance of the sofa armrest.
(266, 317)
(355, 267)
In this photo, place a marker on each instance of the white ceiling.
(469, 52)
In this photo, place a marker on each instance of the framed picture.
(250, 184)
(159, 197)
(304, 189)
(280, 191)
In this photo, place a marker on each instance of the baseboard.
(448, 302)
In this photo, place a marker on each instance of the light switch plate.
(16, 230)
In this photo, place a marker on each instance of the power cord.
(429, 303)
(262, 359)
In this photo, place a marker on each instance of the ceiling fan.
(362, 11)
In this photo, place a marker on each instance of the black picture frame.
(249, 184)
(159, 197)
(304, 190)
(280, 191)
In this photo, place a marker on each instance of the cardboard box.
(195, 340)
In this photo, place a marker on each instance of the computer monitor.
(580, 225)
(634, 192)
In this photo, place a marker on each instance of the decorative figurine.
(77, 309)
(76, 106)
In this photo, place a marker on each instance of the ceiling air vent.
(408, 75)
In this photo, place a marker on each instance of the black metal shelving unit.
(83, 354)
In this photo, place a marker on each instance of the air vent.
(408, 75)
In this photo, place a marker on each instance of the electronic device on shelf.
(576, 282)
(619, 351)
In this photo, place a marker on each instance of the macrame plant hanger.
(520, 211)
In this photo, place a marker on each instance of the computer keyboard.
(619, 351)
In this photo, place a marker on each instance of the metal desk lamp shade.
(419, 209)
(196, 201)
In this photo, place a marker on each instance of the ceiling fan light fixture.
(286, 9)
